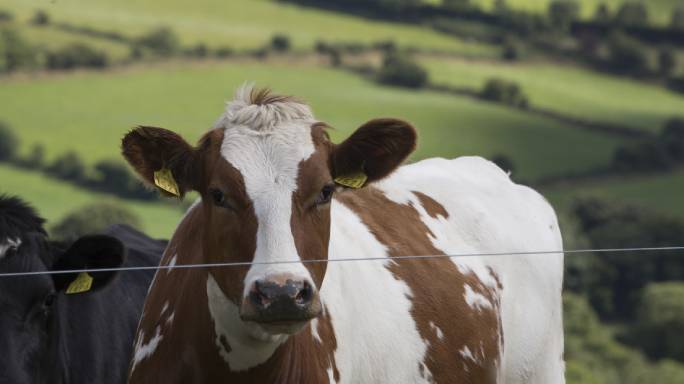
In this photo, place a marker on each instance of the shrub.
(93, 218)
(678, 18)
(672, 138)
(8, 142)
(563, 12)
(676, 84)
(505, 92)
(512, 50)
(199, 50)
(76, 55)
(627, 55)
(456, 4)
(68, 167)
(632, 14)
(113, 176)
(162, 41)
(639, 157)
(35, 158)
(223, 52)
(667, 61)
(660, 321)
(400, 70)
(620, 276)
(504, 162)
(15, 52)
(602, 13)
(280, 43)
(6, 15)
(40, 17)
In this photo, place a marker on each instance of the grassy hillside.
(661, 192)
(53, 199)
(90, 111)
(571, 90)
(659, 10)
(51, 38)
(237, 23)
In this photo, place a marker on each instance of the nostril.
(258, 297)
(305, 294)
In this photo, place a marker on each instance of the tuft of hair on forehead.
(262, 111)
(17, 218)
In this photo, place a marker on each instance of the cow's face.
(267, 175)
(29, 326)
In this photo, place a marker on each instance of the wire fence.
(339, 260)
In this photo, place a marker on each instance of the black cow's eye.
(325, 195)
(217, 196)
(49, 301)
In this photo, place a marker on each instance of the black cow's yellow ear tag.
(354, 180)
(163, 179)
(82, 283)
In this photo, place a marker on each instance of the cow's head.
(30, 305)
(266, 174)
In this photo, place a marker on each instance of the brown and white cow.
(265, 174)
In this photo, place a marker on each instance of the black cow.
(50, 331)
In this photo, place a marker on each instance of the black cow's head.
(31, 306)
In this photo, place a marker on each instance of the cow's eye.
(49, 301)
(325, 195)
(217, 196)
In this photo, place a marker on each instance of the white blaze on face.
(8, 244)
(266, 143)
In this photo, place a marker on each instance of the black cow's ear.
(372, 152)
(88, 252)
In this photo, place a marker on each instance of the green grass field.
(662, 192)
(570, 90)
(54, 199)
(238, 23)
(660, 11)
(89, 112)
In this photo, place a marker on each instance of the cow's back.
(465, 319)
(98, 330)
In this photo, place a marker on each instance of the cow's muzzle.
(281, 304)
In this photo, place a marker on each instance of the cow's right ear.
(163, 159)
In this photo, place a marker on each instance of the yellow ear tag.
(355, 180)
(163, 179)
(82, 283)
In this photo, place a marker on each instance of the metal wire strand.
(412, 257)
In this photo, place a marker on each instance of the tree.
(40, 17)
(632, 14)
(93, 218)
(678, 18)
(505, 92)
(602, 13)
(611, 224)
(76, 55)
(667, 61)
(660, 321)
(8, 142)
(627, 54)
(397, 69)
(35, 158)
(68, 167)
(563, 12)
(15, 52)
(280, 43)
(672, 137)
(456, 4)
(162, 41)
(504, 162)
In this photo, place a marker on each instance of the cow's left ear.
(372, 152)
(88, 252)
